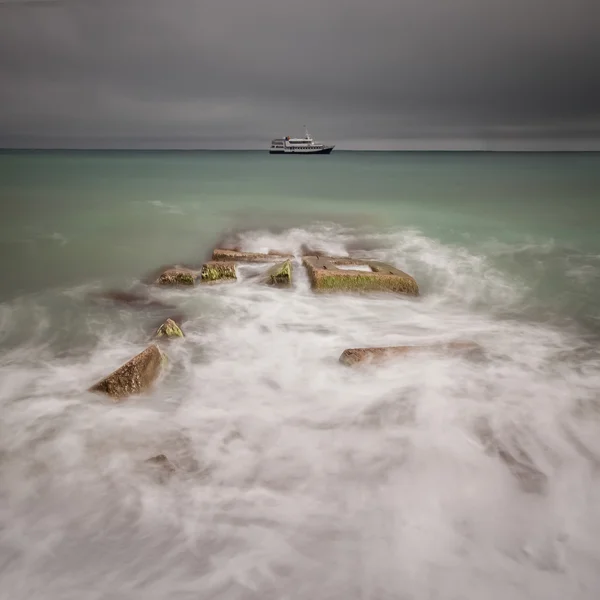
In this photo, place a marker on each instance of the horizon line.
(406, 150)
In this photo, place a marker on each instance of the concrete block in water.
(280, 274)
(135, 376)
(223, 254)
(218, 271)
(353, 356)
(177, 276)
(327, 274)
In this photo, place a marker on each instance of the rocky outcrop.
(176, 276)
(169, 329)
(222, 254)
(213, 271)
(369, 276)
(280, 275)
(353, 356)
(135, 376)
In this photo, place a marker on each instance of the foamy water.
(298, 477)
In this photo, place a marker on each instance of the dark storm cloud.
(242, 71)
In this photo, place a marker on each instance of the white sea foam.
(299, 477)
(166, 207)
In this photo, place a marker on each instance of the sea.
(438, 475)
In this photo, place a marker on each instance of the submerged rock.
(134, 299)
(369, 276)
(353, 356)
(222, 254)
(135, 376)
(163, 467)
(218, 271)
(280, 274)
(177, 276)
(520, 464)
(169, 329)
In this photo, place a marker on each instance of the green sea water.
(69, 217)
(297, 477)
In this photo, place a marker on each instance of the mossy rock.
(218, 271)
(135, 376)
(325, 276)
(280, 274)
(169, 329)
(177, 276)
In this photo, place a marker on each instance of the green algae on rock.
(353, 356)
(169, 329)
(280, 274)
(135, 376)
(218, 271)
(177, 276)
(223, 254)
(369, 276)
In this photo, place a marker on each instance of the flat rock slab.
(326, 275)
(218, 271)
(169, 329)
(354, 356)
(280, 275)
(222, 254)
(135, 376)
(177, 276)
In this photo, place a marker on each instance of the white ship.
(305, 145)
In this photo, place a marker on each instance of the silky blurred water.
(297, 477)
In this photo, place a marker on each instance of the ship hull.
(326, 150)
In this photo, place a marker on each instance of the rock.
(169, 329)
(163, 466)
(218, 271)
(135, 376)
(136, 300)
(177, 276)
(222, 254)
(280, 274)
(530, 479)
(326, 276)
(151, 277)
(353, 356)
(161, 459)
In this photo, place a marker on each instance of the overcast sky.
(360, 73)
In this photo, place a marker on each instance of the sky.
(376, 74)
